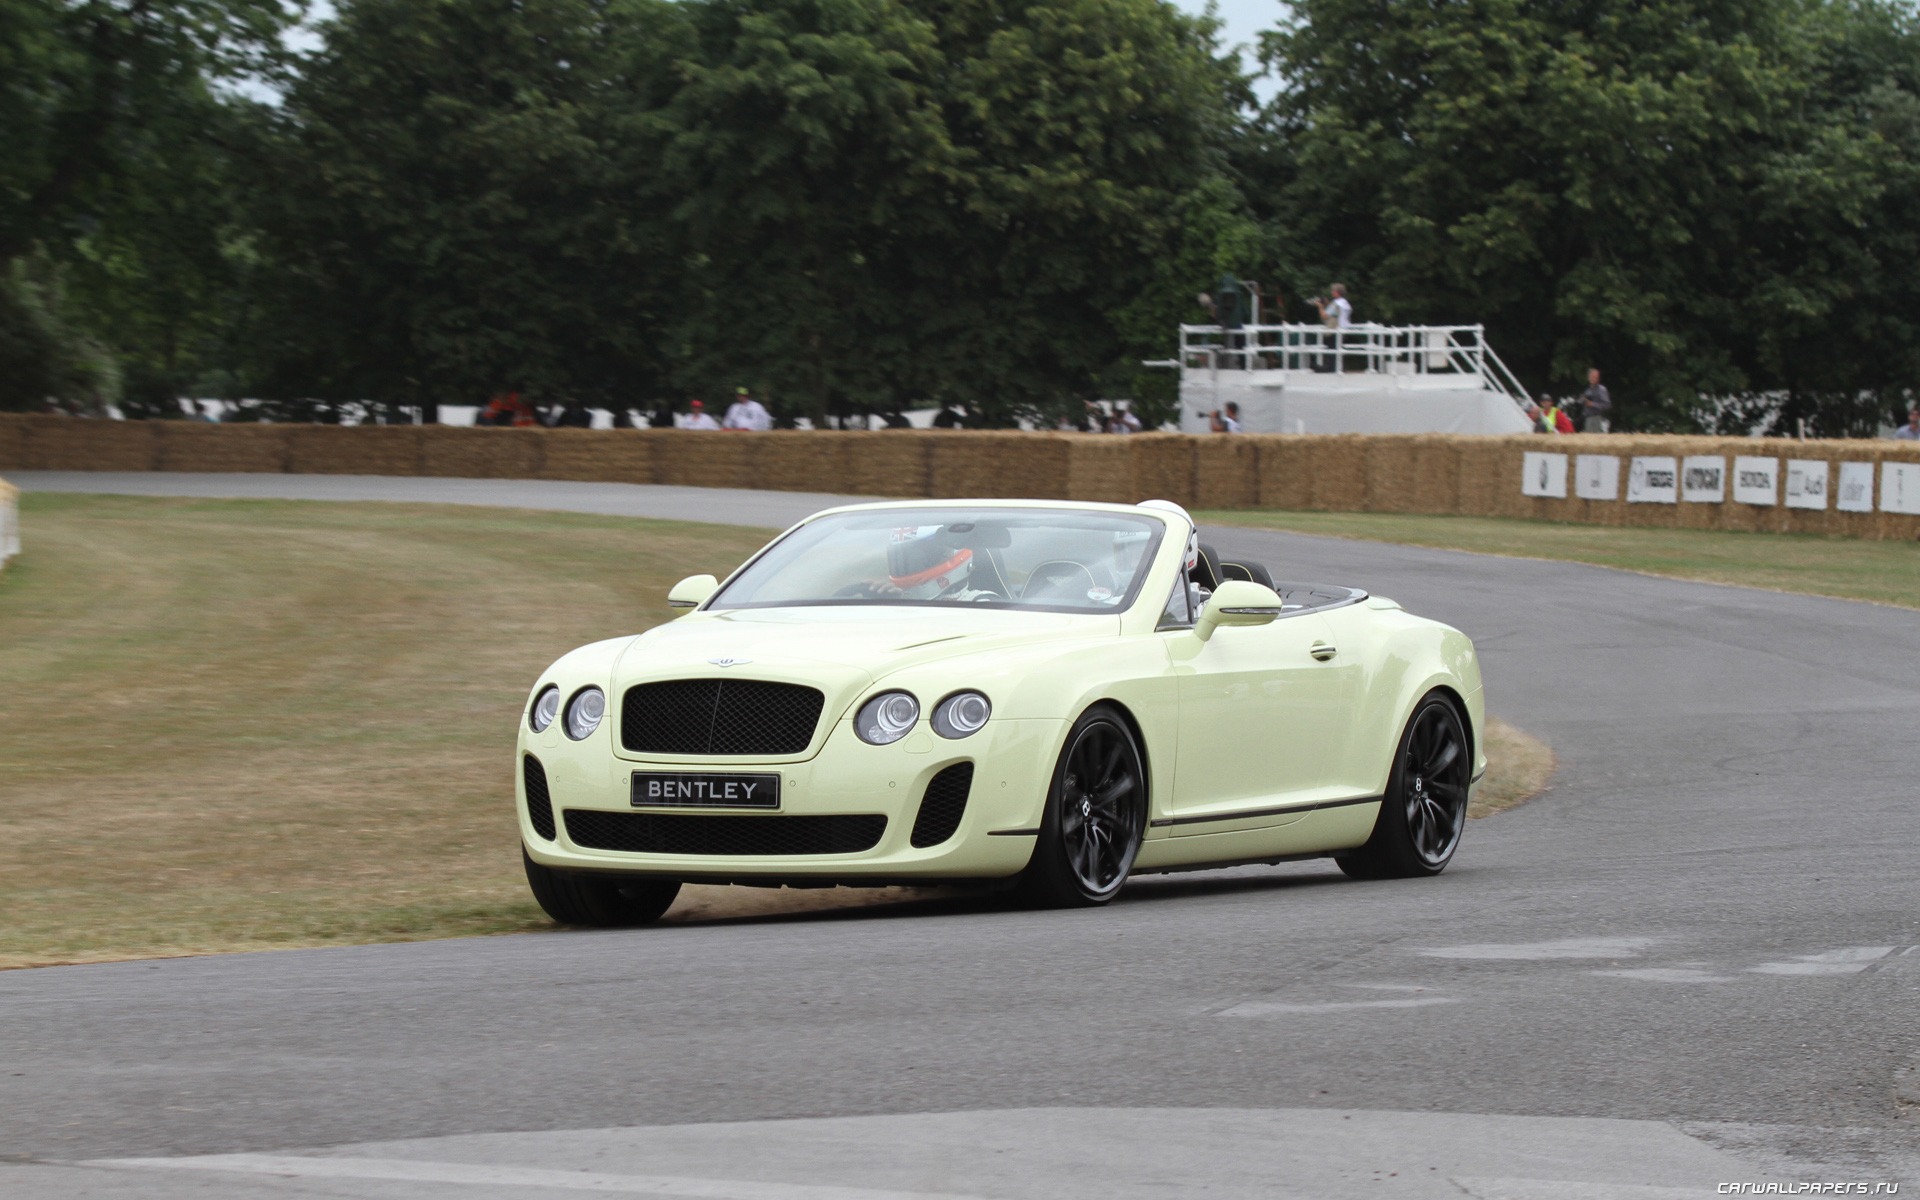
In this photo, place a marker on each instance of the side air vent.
(539, 802)
(943, 805)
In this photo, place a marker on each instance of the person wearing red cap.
(699, 418)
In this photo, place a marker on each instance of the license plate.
(699, 789)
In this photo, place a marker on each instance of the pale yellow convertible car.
(1049, 695)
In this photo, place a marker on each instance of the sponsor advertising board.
(1703, 479)
(1756, 480)
(1597, 477)
(1806, 483)
(1900, 487)
(1855, 493)
(1653, 480)
(1544, 475)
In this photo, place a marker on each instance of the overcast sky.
(1244, 21)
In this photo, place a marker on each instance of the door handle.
(1321, 651)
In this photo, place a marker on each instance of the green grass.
(230, 725)
(1884, 572)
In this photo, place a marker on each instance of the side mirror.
(1238, 602)
(692, 591)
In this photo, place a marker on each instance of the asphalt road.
(1692, 962)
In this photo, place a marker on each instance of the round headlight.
(584, 712)
(962, 714)
(886, 718)
(546, 706)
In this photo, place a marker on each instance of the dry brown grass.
(1518, 768)
(238, 725)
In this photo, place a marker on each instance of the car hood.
(874, 640)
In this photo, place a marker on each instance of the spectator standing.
(1597, 412)
(1552, 419)
(1336, 314)
(1124, 419)
(1910, 432)
(747, 413)
(699, 418)
(1227, 421)
(1538, 418)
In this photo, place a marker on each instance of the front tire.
(1425, 808)
(1095, 817)
(600, 901)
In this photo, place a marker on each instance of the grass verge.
(1883, 572)
(237, 725)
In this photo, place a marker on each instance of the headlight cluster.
(890, 716)
(584, 712)
(546, 706)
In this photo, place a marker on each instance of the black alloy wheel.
(1096, 815)
(601, 901)
(1425, 808)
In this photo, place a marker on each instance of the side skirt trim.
(1251, 814)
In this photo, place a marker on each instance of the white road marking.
(1274, 1008)
(405, 1170)
(1592, 947)
(1849, 961)
(1669, 975)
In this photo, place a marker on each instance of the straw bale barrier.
(1413, 473)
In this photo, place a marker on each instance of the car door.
(1261, 723)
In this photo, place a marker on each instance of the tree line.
(857, 205)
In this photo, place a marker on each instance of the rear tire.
(1425, 808)
(600, 901)
(1095, 818)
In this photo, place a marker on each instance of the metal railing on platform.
(1452, 350)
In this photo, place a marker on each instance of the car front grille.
(943, 805)
(539, 800)
(719, 716)
(743, 837)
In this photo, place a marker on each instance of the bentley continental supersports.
(1043, 695)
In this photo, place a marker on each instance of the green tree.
(454, 204)
(957, 199)
(1675, 192)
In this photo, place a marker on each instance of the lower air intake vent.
(539, 802)
(943, 805)
(747, 837)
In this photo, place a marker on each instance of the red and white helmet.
(923, 563)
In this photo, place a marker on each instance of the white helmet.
(1193, 534)
(923, 564)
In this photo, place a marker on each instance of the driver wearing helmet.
(1197, 596)
(928, 562)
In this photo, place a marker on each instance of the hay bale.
(1436, 474)
(889, 462)
(1283, 472)
(355, 450)
(1226, 471)
(57, 443)
(1162, 467)
(198, 446)
(792, 460)
(1099, 468)
(598, 456)
(13, 440)
(482, 452)
(1390, 467)
(704, 458)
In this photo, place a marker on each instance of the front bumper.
(1013, 766)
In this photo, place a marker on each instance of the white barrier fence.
(1704, 479)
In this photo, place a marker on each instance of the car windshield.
(1032, 559)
